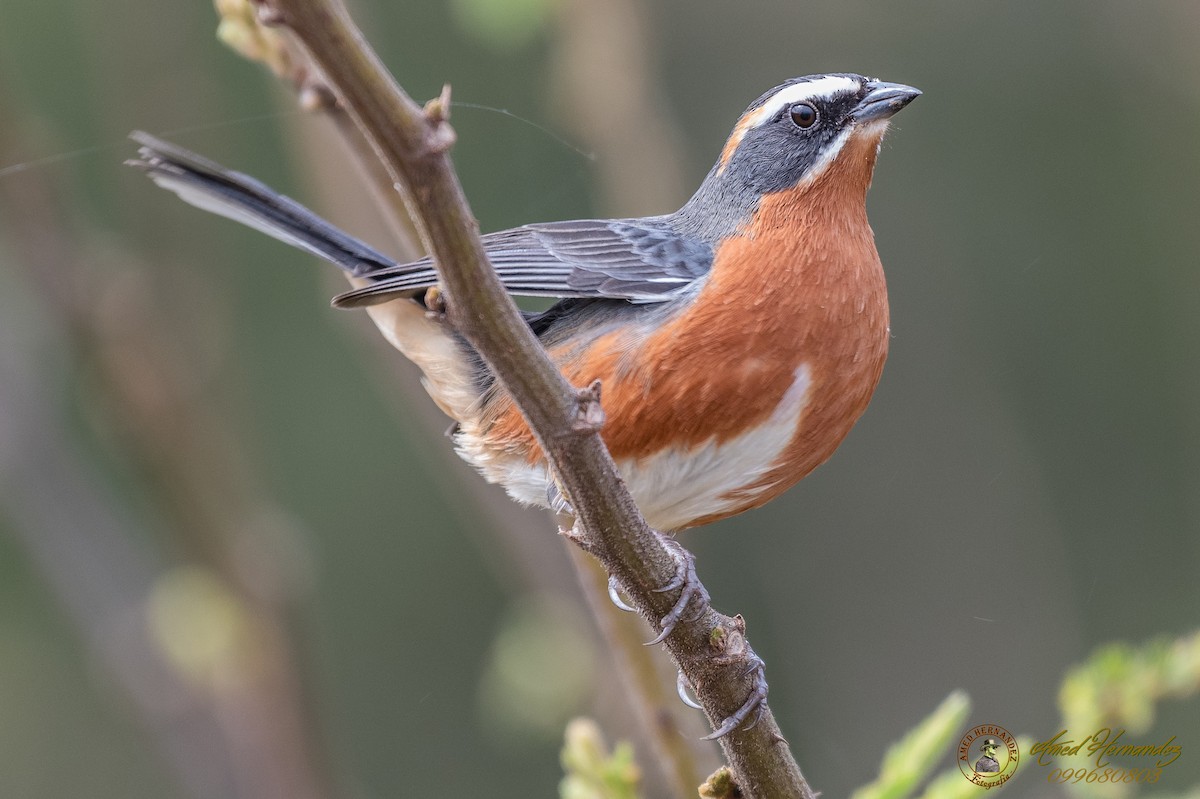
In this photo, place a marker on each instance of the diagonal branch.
(412, 143)
(675, 756)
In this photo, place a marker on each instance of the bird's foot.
(558, 501)
(756, 671)
(689, 586)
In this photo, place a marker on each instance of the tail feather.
(454, 374)
(212, 187)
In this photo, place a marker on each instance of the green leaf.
(592, 772)
(913, 757)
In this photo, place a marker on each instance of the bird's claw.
(753, 704)
(685, 579)
(614, 595)
(681, 687)
(557, 501)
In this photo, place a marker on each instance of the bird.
(737, 339)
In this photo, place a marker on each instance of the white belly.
(674, 487)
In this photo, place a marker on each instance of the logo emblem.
(987, 755)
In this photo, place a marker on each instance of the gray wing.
(640, 260)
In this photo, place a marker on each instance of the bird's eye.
(804, 115)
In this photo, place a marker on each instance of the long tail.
(454, 374)
(239, 197)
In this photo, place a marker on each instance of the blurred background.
(237, 557)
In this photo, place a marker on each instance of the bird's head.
(794, 135)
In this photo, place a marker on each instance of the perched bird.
(737, 340)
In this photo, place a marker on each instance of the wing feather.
(639, 260)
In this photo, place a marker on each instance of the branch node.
(435, 302)
(589, 414)
(578, 536)
(717, 639)
(439, 137)
(269, 14)
(729, 638)
(437, 110)
(316, 96)
(720, 785)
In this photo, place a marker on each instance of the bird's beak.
(883, 100)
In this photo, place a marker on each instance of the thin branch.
(412, 142)
(638, 675)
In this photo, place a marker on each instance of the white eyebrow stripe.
(819, 89)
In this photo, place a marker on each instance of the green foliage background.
(1024, 488)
